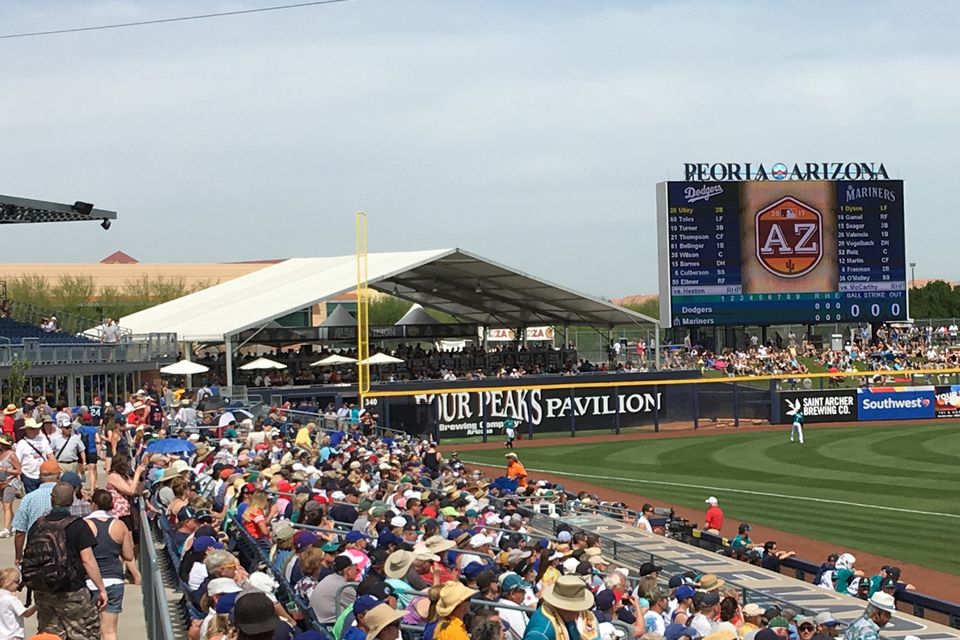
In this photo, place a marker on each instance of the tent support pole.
(228, 351)
(185, 348)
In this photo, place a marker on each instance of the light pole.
(913, 275)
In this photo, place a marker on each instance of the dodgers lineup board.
(779, 252)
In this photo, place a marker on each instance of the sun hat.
(568, 593)
(7, 440)
(30, 423)
(398, 563)
(451, 595)
(218, 586)
(254, 613)
(381, 617)
(11, 408)
(510, 455)
(438, 544)
(710, 582)
(883, 601)
(606, 631)
(479, 540)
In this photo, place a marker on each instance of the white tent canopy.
(416, 315)
(466, 286)
(335, 359)
(339, 318)
(263, 364)
(184, 368)
(382, 358)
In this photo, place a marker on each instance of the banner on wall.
(826, 405)
(464, 413)
(534, 334)
(896, 403)
(947, 401)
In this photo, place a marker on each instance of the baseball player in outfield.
(796, 431)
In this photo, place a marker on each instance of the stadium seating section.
(15, 331)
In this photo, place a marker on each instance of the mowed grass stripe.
(869, 466)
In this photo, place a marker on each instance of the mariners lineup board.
(778, 252)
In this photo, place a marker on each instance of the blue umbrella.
(171, 445)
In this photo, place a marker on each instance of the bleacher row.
(13, 332)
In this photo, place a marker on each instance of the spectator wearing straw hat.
(563, 602)
(453, 605)
(880, 608)
(383, 622)
(32, 450)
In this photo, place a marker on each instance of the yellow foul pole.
(363, 309)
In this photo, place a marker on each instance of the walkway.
(131, 620)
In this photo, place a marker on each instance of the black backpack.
(46, 564)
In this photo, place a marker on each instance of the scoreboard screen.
(781, 252)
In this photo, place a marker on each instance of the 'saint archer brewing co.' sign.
(737, 171)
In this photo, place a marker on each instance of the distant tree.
(935, 299)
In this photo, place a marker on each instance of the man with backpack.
(57, 561)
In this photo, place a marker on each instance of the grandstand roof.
(464, 285)
(24, 211)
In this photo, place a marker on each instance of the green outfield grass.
(893, 491)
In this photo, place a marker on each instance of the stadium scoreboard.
(780, 252)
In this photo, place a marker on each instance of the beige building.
(120, 270)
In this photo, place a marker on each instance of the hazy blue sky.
(532, 133)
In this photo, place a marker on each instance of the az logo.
(789, 238)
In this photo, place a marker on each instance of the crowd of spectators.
(281, 529)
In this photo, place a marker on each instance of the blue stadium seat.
(15, 331)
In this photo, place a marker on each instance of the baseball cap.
(778, 622)
(888, 583)
(711, 598)
(49, 467)
(202, 543)
(364, 603)
(513, 582)
(356, 536)
(73, 479)
(304, 539)
(472, 570)
(710, 500)
(826, 619)
(186, 513)
(686, 591)
(564, 536)
(648, 567)
(676, 631)
(675, 581)
(805, 621)
(331, 547)
(381, 590)
(341, 563)
(752, 609)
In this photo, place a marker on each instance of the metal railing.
(140, 348)
(156, 611)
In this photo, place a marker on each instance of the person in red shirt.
(713, 521)
(9, 420)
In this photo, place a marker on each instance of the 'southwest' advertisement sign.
(465, 413)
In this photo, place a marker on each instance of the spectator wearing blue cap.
(680, 632)
(356, 627)
(513, 592)
(684, 596)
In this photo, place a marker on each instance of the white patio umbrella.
(382, 358)
(184, 368)
(262, 363)
(335, 359)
